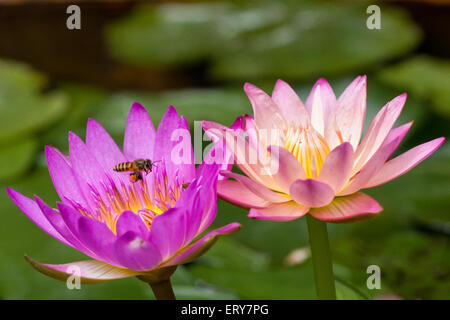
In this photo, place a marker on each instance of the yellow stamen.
(308, 147)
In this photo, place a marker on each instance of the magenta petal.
(198, 203)
(98, 238)
(404, 162)
(136, 253)
(311, 193)
(289, 169)
(104, 149)
(257, 188)
(202, 245)
(279, 212)
(290, 104)
(130, 221)
(173, 145)
(168, 231)
(337, 168)
(237, 193)
(63, 178)
(88, 172)
(34, 213)
(91, 271)
(203, 209)
(72, 219)
(356, 207)
(58, 223)
(139, 134)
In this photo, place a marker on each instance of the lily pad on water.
(169, 34)
(16, 158)
(291, 39)
(425, 77)
(82, 100)
(23, 107)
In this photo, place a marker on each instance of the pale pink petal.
(279, 212)
(311, 193)
(404, 162)
(351, 111)
(321, 104)
(266, 112)
(219, 153)
(90, 271)
(237, 193)
(399, 131)
(288, 169)
(202, 245)
(371, 168)
(290, 104)
(257, 142)
(356, 207)
(378, 130)
(337, 167)
(257, 188)
(244, 156)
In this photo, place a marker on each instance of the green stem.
(163, 290)
(321, 256)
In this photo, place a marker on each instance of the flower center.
(308, 147)
(147, 198)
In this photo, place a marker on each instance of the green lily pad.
(16, 158)
(425, 77)
(24, 109)
(291, 39)
(169, 34)
(309, 43)
(82, 101)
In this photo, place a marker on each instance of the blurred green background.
(196, 56)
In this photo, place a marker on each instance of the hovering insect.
(137, 166)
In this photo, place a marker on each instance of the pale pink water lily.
(323, 162)
(142, 229)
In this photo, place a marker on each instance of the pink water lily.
(322, 162)
(142, 229)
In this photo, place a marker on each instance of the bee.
(137, 166)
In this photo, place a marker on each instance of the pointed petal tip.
(248, 87)
(171, 108)
(137, 105)
(10, 191)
